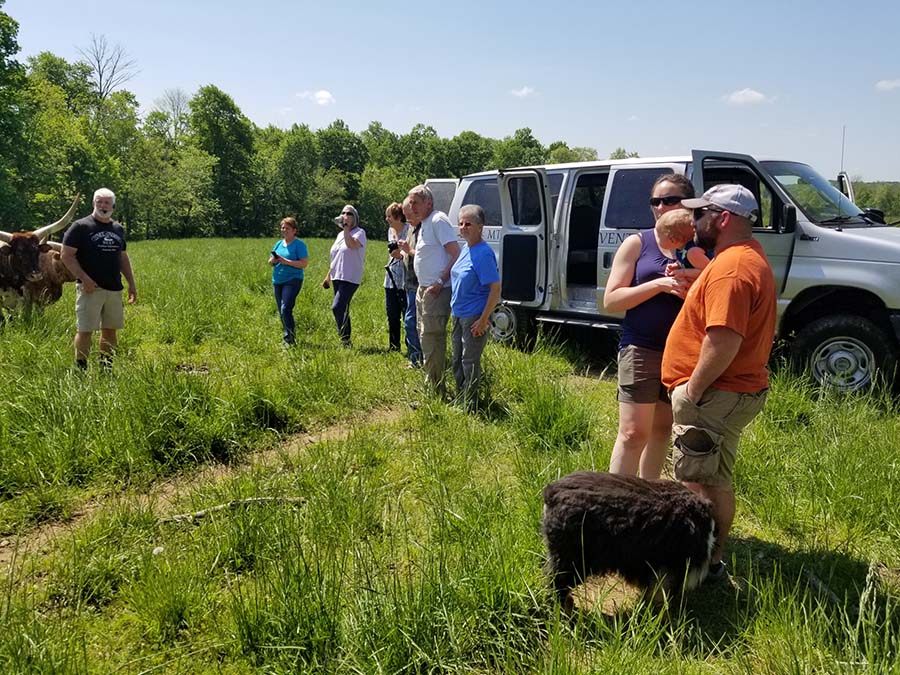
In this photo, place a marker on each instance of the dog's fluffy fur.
(650, 532)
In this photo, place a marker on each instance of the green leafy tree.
(73, 78)
(327, 197)
(379, 187)
(221, 130)
(622, 153)
(13, 151)
(559, 152)
(296, 161)
(520, 149)
(468, 152)
(382, 145)
(339, 148)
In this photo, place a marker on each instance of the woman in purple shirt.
(639, 286)
(348, 253)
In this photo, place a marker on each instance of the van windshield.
(819, 200)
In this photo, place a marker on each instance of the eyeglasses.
(346, 213)
(702, 211)
(671, 200)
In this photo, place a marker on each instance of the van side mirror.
(875, 215)
(788, 218)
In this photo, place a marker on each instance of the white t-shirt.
(431, 258)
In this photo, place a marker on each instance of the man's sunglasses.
(671, 200)
(699, 213)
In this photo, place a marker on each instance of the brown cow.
(30, 268)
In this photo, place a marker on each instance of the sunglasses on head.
(671, 200)
(702, 211)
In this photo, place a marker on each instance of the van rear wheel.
(845, 352)
(514, 326)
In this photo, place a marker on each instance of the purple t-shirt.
(346, 262)
(648, 324)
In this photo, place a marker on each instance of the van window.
(718, 172)
(629, 207)
(526, 200)
(484, 193)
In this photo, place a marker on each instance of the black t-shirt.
(99, 247)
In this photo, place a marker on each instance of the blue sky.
(767, 78)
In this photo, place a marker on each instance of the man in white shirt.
(436, 251)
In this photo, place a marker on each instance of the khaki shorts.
(100, 309)
(706, 435)
(640, 372)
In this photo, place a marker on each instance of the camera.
(393, 246)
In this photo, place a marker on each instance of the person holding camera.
(348, 254)
(288, 259)
(395, 274)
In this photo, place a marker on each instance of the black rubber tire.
(845, 352)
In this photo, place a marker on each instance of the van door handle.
(608, 259)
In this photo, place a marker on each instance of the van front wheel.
(514, 326)
(845, 352)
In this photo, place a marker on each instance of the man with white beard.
(94, 251)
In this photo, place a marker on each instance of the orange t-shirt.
(736, 290)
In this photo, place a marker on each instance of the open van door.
(525, 217)
(845, 185)
(777, 224)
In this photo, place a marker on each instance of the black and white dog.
(648, 531)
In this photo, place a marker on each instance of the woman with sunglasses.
(639, 286)
(348, 253)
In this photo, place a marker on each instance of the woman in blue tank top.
(639, 286)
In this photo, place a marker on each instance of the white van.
(556, 229)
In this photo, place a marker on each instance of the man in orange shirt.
(714, 363)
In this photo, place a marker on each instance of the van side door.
(525, 207)
(776, 235)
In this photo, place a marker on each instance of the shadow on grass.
(723, 611)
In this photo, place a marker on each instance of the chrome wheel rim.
(844, 363)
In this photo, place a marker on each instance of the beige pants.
(432, 314)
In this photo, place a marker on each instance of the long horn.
(5, 236)
(55, 245)
(60, 224)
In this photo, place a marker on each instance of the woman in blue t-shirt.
(475, 291)
(288, 258)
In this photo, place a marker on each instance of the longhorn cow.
(31, 271)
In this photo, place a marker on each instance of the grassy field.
(391, 533)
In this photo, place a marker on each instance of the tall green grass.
(417, 548)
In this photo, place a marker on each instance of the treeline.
(197, 166)
(883, 195)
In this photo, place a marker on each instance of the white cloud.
(887, 85)
(523, 92)
(633, 118)
(321, 97)
(746, 97)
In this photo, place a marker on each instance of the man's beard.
(102, 213)
(705, 241)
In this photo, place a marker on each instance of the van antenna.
(841, 198)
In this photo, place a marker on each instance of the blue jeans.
(413, 346)
(285, 297)
(343, 293)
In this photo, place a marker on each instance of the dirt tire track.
(163, 495)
